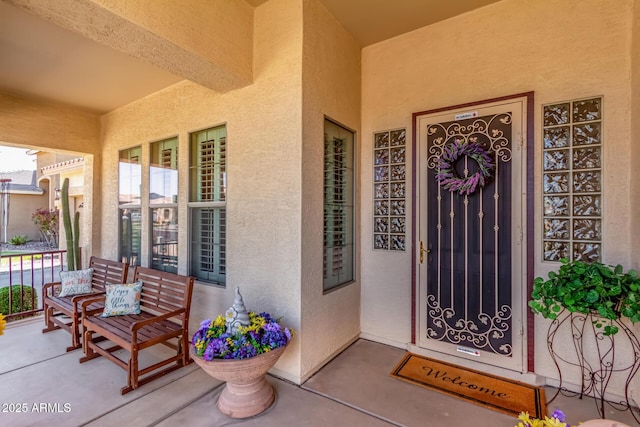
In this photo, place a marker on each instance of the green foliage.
(18, 302)
(18, 240)
(589, 288)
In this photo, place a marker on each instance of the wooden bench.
(65, 312)
(164, 319)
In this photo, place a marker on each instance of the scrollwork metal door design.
(467, 277)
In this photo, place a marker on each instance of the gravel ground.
(28, 247)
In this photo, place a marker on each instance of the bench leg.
(75, 333)
(132, 373)
(74, 347)
(86, 347)
(183, 346)
(48, 315)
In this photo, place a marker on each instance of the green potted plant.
(589, 288)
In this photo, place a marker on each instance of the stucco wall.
(331, 88)
(51, 126)
(45, 125)
(561, 50)
(635, 137)
(218, 31)
(21, 206)
(186, 22)
(635, 157)
(263, 165)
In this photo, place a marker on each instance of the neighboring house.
(25, 196)
(53, 168)
(297, 163)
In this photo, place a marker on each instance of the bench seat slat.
(66, 312)
(165, 304)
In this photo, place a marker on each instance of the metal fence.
(22, 277)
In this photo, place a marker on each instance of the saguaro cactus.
(72, 237)
(76, 238)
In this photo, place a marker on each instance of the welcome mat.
(493, 392)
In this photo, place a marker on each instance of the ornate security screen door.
(471, 247)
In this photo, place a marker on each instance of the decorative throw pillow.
(122, 299)
(75, 282)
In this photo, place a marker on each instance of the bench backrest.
(163, 292)
(106, 272)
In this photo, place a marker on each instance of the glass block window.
(572, 180)
(338, 259)
(389, 190)
(129, 192)
(207, 204)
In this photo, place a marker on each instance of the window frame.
(221, 204)
(327, 285)
(571, 124)
(158, 206)
(130, 206)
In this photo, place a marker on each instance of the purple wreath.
(447, 176)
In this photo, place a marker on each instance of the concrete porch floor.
(354, 389)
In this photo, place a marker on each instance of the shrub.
(19, 240)
(47, 222)
(16, 300)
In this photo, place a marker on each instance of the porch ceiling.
(38, 58)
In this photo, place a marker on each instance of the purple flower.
(262, 337)
(559, 415)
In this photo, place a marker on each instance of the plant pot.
(247, 392)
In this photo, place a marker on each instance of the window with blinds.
(163, 198)
(129, 191)
(207, 204)
(338, 259)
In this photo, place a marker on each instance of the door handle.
(422, 251)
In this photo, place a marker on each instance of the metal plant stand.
(600, 365)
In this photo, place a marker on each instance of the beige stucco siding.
(280, 69)
(47, 125)
(219, 31)
(263, 164)
(561, 50)
(331, 88)
(635, 137)
(21, 207)
(51, 126)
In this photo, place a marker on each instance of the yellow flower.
(199, 345)
(220, 321)
(527, 421)
(3, 324)
(554, 422)
(524, 416)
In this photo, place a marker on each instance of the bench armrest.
(87, 302)
(48, 286)
(141, 323)
(80, 297)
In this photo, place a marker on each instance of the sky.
(15, 159)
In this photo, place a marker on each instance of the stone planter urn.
(603, 423)
(247, 392)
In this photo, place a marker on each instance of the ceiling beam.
(209, 43)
